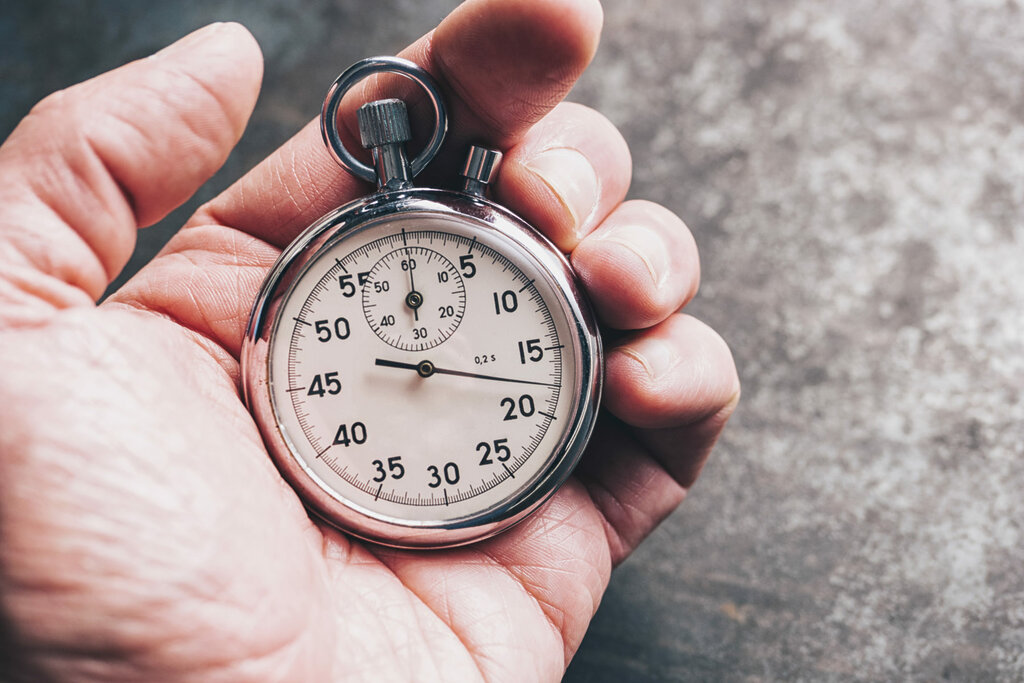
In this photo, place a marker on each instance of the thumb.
(91, 164)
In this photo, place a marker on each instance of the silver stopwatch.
(422, 363)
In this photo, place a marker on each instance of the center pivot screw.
(414, 300)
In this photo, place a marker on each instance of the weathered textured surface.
(854, 174)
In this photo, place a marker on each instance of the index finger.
(501, 65)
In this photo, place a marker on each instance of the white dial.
(423, 370)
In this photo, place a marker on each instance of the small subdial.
(414, 298)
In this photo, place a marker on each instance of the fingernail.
(192, 39)
(644, 243)
(656, 356)
(572, 178)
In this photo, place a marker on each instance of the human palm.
(144, 532)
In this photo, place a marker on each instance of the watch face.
(430, 376)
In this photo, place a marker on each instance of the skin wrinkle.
(101, 666)
(87, 275)
(106, 356)
(313, 192)
(361, 558)
(643, 456)
(568, 645)
(198, 279)
(114, 545)
(412, 605)
(227, 362)
(298, 176)
(243, 607)
(199, 275)
(657, 280)
(646, 244)
(631, 352)
(446, 599)
(529, 589)
(412, 595)
(571, 127)
(640, 519)
(580, 222)
(190, 293)
(111, 163)
(600, 498)
(297, 170)
(494, 565)
(422, 600)
(93, 174)
(224, 350)
(43, 535)
(27, 289)
(613, 535)
(716, 418)
(112, 156)
(223, 108)
(232, 663)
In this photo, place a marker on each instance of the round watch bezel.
(316, 494)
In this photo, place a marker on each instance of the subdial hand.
(426, 369)
(414, 299)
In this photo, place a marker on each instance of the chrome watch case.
(397, 197)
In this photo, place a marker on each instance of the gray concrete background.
(854, 176)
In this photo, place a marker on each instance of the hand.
(144, 532)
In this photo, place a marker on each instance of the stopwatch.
(422, 364)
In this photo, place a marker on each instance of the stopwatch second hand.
(426, 369)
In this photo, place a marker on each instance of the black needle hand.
(426, 369)
(415, 299)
